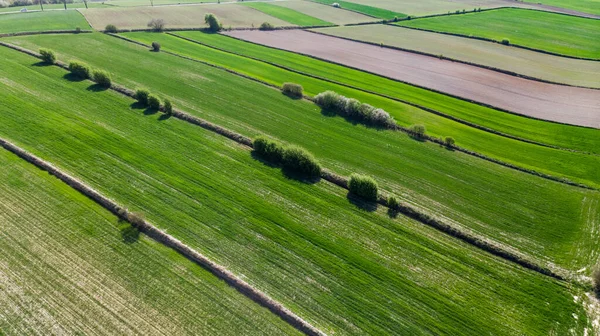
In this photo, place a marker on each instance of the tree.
(85, 3)
(213, 23)
(65, 3)
(157, 25)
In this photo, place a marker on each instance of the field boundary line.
(493, 247)
(397, 127)
(85, 17)
(427, 109)
(509, 45)
(350, 10)
(46, 32)
(162, 237)
(442, 57)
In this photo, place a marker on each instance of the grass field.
(530, 63)
(67, 269)
(577, 138)
(323, 12)
(543, 218)
(345, 269)
(556, 33)
(192, 16)
(287, 15)
(427, 7)
(367, 10)
(137, 3)
(39, 21)
(588, 6)
(532, 156)
(53, 7)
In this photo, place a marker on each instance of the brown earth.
(558, 103)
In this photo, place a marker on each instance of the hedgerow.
(291, 158)
(268, 149)
(363, 186)
(353, 109)
(141, 95)
(79, 69)
(48, 56)
(266, 26)
(153, 102)
(168, 106)
(102, 78)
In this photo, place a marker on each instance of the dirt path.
(544, 101)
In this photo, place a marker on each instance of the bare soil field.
(325, 13)
(558, 103)
(525, 62)
(189, 16)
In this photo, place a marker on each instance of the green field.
(40, 21)
(344, 269)
(67, 268)
(555, 33)
(564, 136)
(576, 166)
(53, 7)
(288, 15)
(323, 12)
(588, 6)
(543, 218)
(552, 68)
(367, 10)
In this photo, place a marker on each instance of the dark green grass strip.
(41, 21)
(555, 33)
(512, 207)
(549, 161)
(565, 136)
(376, 12)
(347, 269)
(288, 15)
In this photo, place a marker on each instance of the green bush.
(48, 56)
(153, 102)
(418, 130)
(141, 95)
(449, 141)
(266, 26)
(268, 149)
(102, 78)
(505, 41)
(213, 23)
(168, 106)
(292, 89)
(110, 28)
(393, 202)
(155, 46)
(327, 100)
(79, 69)
(300, 161)
(363, 186)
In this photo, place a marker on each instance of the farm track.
(424, 108)
(500, 250)
(153, 232)
(542, 101)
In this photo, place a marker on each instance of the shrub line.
(160, 236)
(509, 45)
(487, 67)
(207, 30)
(427, 109)
(410, 211)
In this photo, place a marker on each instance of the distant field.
(53, 7)
(287, 15)
(345, 269)
(588, 6)
(556, 33)
(134, 3)
(541, 217)
(325, 13)
(530, 63)
(192, 16)
(426, 7)
(368, 10)
(38, 21)
(69, 267)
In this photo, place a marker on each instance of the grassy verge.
(547, 160)
(572, 137)
(68, 266)
(40, 21)
(344, 268)
(543, 218)
(367, 10)
(288, 15)
(556, 33)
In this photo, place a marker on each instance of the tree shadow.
(129, 233)
(150, 111)
(97, 88)
(73, 78)
(41, 64)
(393, 213)
(165, 116)
(360, 203)
(332, 114)
(292, 96)
(418, 138)
(137, 106)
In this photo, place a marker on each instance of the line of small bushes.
(292, 158)
(146, 99)
(353, 109)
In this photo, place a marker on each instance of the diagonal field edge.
(500, 250)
